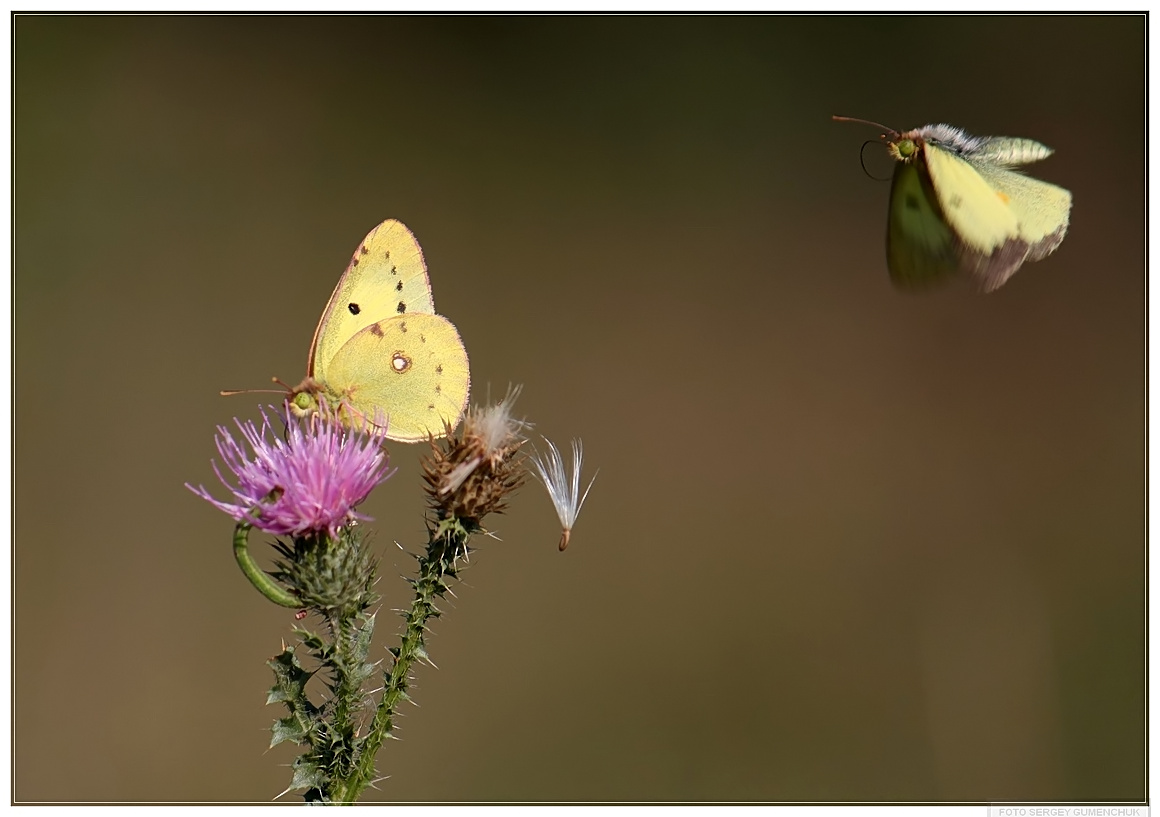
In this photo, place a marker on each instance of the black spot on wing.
(401, 308)
(354, 309)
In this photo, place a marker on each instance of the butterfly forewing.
(979, 216)
(386, 276)
(919, 245)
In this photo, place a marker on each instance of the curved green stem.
(258, 577)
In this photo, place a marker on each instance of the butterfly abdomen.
(1007, 151)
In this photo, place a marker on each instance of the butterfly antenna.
(862, 159)
(232, 392)
(888, 133)
(284, 390)
(881, 127)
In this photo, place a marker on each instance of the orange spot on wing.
(1003, 197)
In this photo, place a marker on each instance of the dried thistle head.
(470, 473)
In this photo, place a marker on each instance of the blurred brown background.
(846, 543)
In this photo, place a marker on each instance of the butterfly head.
(905, 147)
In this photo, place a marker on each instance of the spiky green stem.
(448, 541)
(333, 579)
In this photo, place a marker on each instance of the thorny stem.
(347, 687)
(448, 540)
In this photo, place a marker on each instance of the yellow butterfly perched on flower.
(380, 346)
(958, 205)
(381, 351)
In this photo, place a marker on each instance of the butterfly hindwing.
(1042, 210)
(1041, 213)
(412, 368)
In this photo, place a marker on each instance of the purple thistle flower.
(309, 483)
